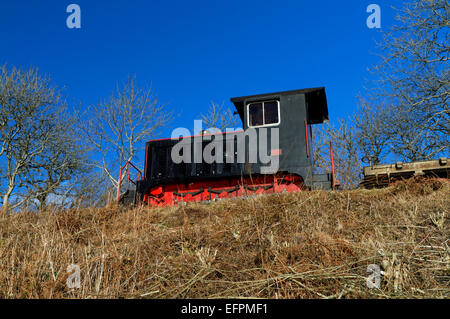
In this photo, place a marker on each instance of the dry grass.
(303, 245)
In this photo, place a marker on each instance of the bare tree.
(414, 76)
(219, 117)
(118, 128)
(362, 139)
(347, 162)
(34, 144)
(372, 132)
(405, 115)
(60, 167)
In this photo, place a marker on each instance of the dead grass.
(302, 245)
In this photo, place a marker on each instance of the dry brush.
(301, 245)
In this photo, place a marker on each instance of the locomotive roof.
(291, 92)
(317, 106)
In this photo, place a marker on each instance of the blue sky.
(197, 51)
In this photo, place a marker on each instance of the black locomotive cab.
(293, 112)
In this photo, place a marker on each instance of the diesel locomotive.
(278, 124)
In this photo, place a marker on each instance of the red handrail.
(333, 180)
(306, 136)
(128, 164)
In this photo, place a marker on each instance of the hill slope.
(303, 245)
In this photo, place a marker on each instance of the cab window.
(263, 113)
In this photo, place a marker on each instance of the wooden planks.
(376, 176)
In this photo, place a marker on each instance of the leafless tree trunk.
(118, 128)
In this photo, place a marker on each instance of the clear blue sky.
(197, 51)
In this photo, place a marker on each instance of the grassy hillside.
(303, 245)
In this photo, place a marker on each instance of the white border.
(263, 102)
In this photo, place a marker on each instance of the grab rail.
(128, 164)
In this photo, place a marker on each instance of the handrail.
(333, 178)
(128, 164)
(306, 137)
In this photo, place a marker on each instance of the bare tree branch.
(219, 117)
(37, 150)
(414, 77)
(118, 128)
